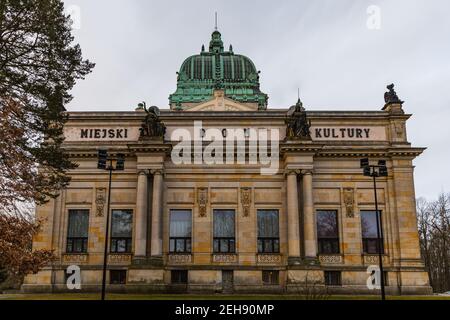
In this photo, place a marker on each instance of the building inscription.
(349, 133)
(343, 133)
(101, 134)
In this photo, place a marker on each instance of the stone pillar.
(293, 216)
(141, 216)
(309, 221)
(156, 245)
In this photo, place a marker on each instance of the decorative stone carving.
(349, 202)
(268, 258)
(156, 172)
(119, 258)
(330, 259)
(74, 258)
(391, 95)
(246, 200)
(298, 125)
(224, 258)
(100, 199)
(179, 258)
(373, 259)
(202, 201)
(152, 127)
(288, 172)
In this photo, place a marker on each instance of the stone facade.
(318, 174)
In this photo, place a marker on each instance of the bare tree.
(434, 231)
(17, 258)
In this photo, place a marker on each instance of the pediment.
(221, 103)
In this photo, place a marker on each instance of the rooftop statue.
(152, 127)
(391, 95)
(298, 125)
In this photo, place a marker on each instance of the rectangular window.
(327, 231)
(224, 229)
(180, 231)
(117, 276)
(333, 278)
(268, 231)
(369, 232)
(77, 233)
(179, 276)
(271, 277)
(121, 231)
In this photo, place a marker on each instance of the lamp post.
(103, 159)
(375, 171)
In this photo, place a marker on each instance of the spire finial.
(215, 27)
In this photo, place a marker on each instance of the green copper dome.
(214, 69)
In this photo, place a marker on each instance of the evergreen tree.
(39, 65)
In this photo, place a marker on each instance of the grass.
(112, 296)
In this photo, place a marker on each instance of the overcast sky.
(337, 51)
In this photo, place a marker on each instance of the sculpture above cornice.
(298, 125)
(152, 127)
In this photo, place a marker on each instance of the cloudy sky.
(341, 53)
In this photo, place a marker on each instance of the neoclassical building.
(222, 194)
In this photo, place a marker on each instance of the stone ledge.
(119, 258)
(78, 258)
(331, 259)
(224, 258)
(177, 259)
(369, 259)
(269, 259)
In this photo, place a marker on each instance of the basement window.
(333, 278)
(117, 276)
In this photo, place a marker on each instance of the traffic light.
(364, 162)
(120, 165)
(102, 159)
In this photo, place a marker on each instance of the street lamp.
(375, 171)
(103, 159)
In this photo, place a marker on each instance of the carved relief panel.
(202, 201)
(246, 201)
(349, 202)
(100, 199)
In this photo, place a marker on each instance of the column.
(156, 245)
(308, 213)
(293, 216)
(141, 215)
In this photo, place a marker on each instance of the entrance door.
(227, 281)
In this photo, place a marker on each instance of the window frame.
(272, 279)
(328, 279)
(122, 278)
(185, 240)
(182, 279)
(71, 241)
(271, 240)
(113, 242)
(231, 241)
(367, 240)
(322, 241)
